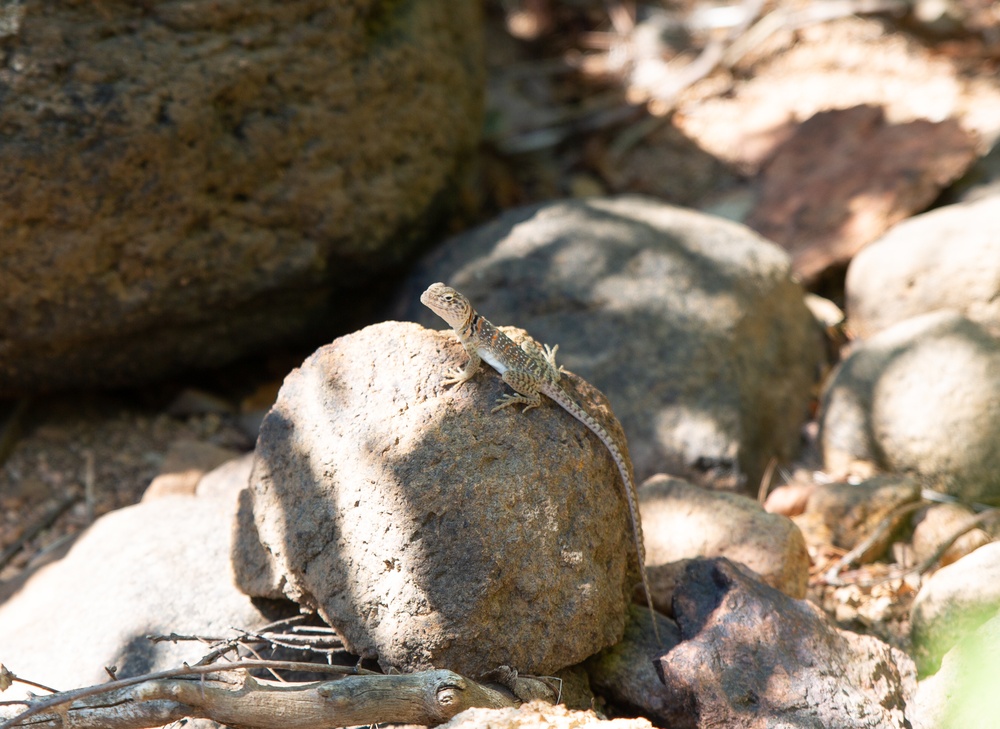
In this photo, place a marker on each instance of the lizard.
(531, 372)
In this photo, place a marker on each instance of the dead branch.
(891, 520)
(362, 697)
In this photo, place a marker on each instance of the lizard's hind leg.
(525, 389)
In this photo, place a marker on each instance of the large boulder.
(691, 324)
(948, 258)
(428, 530)
(181, 182)
(922, 397)
(159, 567)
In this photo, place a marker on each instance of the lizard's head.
(447, 304)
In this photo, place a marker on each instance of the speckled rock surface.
(181, 182)
(689, 323)
(427, 530)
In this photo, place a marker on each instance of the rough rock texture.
(948, 258)
(183, 181)
(538, 714)
(751, 657)
(158, 567)
(846, 175)
(690, 324)
(626, 673)
(955, 601)
(681, 521)
(845, 514)
(963, 693)
(426, 529)
(922, 396)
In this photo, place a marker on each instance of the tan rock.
(428, 530)
(682, 521)
(692, 325)
(184, 465)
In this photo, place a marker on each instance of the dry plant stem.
(42, 523)
(427, 698)
(65, 697)
(972, 523)
(831, 577)
(765, 480)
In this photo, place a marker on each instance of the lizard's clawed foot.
(508, 400)
(456, 377)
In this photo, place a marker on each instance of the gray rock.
(626, 673)
(963, 693)
(158, 567)
(427, 530)
(955, 601)
(681, 521)
(752, 657)
(948, 258)
(924, 397)
(691, 324)
(183, 182)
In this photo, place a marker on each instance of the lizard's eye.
(448, 297)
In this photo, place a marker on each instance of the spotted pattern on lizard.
(531, 372)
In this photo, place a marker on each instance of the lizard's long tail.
(627, 481)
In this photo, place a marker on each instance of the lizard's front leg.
(526, 389)
(457, 376)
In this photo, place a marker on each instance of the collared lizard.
(531, 372)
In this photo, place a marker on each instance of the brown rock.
(626, 673)
(181, 183)
(426, 529)
(750, 656)
(844, 514)
(846, 176)
(682, 521)
(691, 324)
